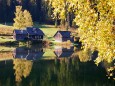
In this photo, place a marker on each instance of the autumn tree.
(95, 19)
(62, 10)
(27, 18)
(22, 18)
(19, 18)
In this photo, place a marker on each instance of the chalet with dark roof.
(63, 36)
(30, 33)
(20, 35)
(34, 33)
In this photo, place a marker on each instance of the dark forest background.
(39, 10)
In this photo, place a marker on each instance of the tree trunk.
(56, 22)
(67, 22)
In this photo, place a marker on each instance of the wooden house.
(34, 33)
(30, 33)
(27, 53)
(63, 36)
(63, 52)
(20, 35)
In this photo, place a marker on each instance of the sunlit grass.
(6, 30)
(49, 32)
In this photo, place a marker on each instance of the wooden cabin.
(20, 35)
(34, 33)
(27, 53)
(30, 33)
(63, 36)
(63, 52)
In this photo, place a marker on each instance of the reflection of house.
(28, 54)
(30, 33)
(63, 52)
(63, 36)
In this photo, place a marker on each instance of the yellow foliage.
(22, 68)
(96, 22)
(62, 7)
(22, 18)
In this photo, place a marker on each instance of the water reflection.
(110, 69)
(28, 53)
(108, 64)
(63, 52)
(22, 68)
(70, 67)
(64, 72)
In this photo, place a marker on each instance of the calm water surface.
(54, 66)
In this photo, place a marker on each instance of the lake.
(53, 66)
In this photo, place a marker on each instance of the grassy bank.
(6, 30)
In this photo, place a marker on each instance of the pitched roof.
(20, 31)
(34, 31)
(64, 33)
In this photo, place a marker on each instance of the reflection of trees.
(62, 72)
(65, 73)
(59, 74)
(84, 55)
(6, 55)
(101, 59)
(111, 72)
(110, 69)
(70, 72)
(22, 68)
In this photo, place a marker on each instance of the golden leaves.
(95, 27)
(22, 18)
